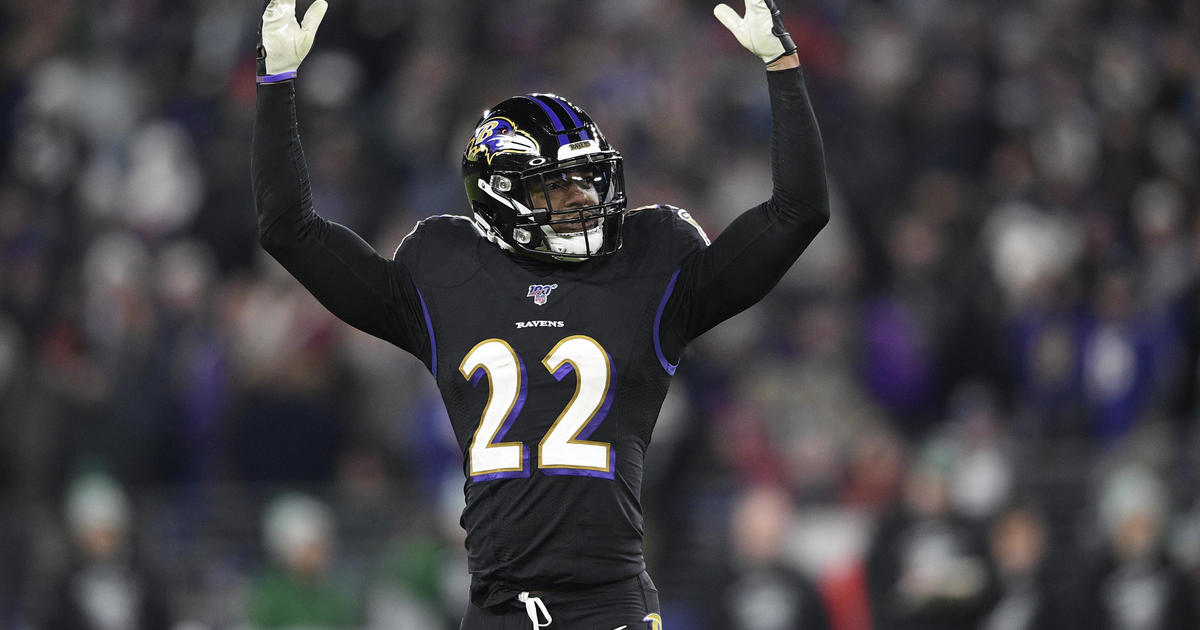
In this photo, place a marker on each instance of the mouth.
(584, 222)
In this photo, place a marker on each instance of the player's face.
(570, 190)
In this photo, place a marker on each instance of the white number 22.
(565, 449)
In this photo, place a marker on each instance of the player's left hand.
(284, 42)
(761, 30)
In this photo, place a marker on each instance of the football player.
(551, 315)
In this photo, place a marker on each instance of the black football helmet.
(523, 149)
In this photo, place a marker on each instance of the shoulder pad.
(661, 236)
(438, 226)
(442, 249)
(682, 215)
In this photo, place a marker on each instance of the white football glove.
(761, 31)
(284, 42)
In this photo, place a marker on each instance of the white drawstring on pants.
(534, 606)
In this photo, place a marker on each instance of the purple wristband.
(276, 78)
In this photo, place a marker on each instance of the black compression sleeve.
(753, 253)
(340, 269)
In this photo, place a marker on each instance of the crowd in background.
(971, 404)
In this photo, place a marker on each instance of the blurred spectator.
(983, 475)
(1183, 401)
(1016, 210)
(1031, 254)
(1122, 351)
(800, 406)
(297, 590)
(1017, 540)
(284, 428)
(422, 581)
(1166, 253)
(874, 472)
(1132, 582)
(928, 567)
(106, 586)
(763, 590)
(903, 325)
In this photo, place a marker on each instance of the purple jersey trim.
(432, 340)
(602, 413)
(591, 426)
(601, 474)
(276, 78)
(476, 376)
(517, 406)
(563, 371)
(662, 359)
(508, 474)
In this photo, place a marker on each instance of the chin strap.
(536, 609)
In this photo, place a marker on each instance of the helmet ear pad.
(498, 202)
(518, 146)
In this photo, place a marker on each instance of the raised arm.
(753, 253)
(340, 269)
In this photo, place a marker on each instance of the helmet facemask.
(572, 203)
(551, 193)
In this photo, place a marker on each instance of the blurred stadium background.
(1003, 315)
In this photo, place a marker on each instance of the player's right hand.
(760, 31)
(284, 42)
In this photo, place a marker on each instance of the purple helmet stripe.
(558, 125)
(571, 113)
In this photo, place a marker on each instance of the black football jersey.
(553, 374)
(553, 377)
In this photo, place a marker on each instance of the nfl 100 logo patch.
(540, 292)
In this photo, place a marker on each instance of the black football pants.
(630, 604)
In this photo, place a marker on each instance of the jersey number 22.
(565, 449)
